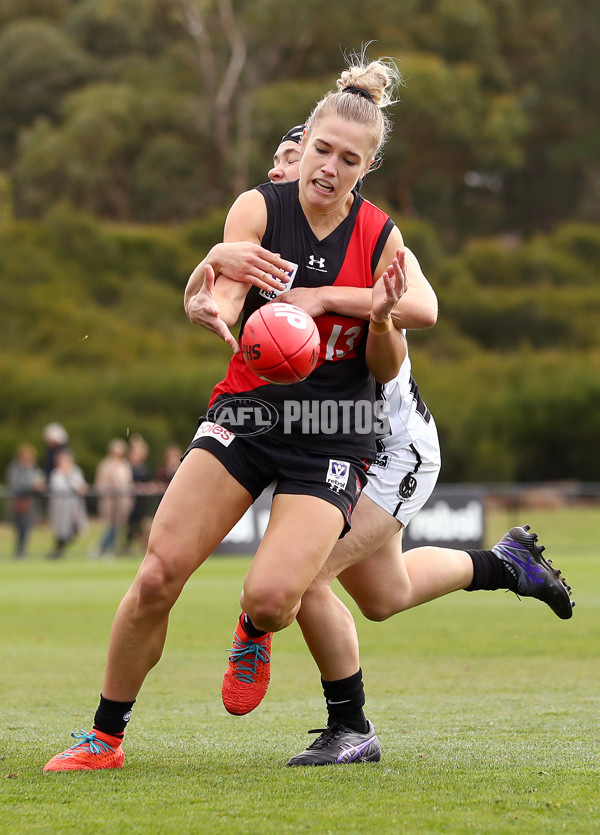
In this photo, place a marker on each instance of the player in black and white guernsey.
(222, 473)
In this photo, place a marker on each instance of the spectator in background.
(56, 438)
(168, 468)
(114, 484)
(24, 480)
(142, 488)
(66, 507)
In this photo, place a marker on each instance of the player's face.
(336, 153)
(286, 163)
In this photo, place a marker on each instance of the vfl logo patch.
(272, 293)
(337, 475)
(213, 430)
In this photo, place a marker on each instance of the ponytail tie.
(359, 91)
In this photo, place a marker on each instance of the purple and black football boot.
(339, 745)
(534, 575)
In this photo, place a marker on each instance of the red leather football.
(280, 343)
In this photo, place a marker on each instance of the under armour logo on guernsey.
(316, 263)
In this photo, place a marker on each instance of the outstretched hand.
(202, 310)
(390, 288)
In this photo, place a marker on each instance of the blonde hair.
(373, 87)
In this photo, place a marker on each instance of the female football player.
(330, 236)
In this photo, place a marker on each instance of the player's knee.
(269, 609)
(156, 584)
(379, 609)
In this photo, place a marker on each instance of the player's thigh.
(372, 527)
(382, 574)
(201, 504)
(301, 533)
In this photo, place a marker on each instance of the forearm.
(193, 286)
(217, 309)
(385, 350)
(347, 301)
(415, 311)
(196, 279)
(229, 297)
(418, 307)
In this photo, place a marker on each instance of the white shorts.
(404, 474)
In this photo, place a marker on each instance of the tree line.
(128, 127)
(162, 110)
(95, 336)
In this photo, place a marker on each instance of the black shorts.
(257, 463)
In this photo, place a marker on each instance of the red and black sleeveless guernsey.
(327, 410)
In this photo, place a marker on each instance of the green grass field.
(486, 707)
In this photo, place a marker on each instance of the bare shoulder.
(247, 218)
(392, 245)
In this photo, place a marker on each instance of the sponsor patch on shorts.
(382, 460)
(337, 475)
(213, 430)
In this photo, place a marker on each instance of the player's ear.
(367, 169)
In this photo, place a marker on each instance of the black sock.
(345, 700)
(490, 572)
(249, 627)
(112, 717)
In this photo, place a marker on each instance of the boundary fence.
(454, 516)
